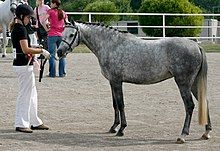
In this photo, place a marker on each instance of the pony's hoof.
(112, 131)
(205, 137)
(120, 133)
(180, 141)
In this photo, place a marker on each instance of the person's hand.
(46, 54)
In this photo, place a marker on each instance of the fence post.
(218, 33)
(164, 26)
(90, 17)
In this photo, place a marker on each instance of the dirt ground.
(78, 109)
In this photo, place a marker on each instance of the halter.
(74, 38)
(15, 4)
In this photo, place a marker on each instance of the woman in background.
(56, 18)
(40, 12)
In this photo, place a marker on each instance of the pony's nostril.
(12, 10)
(59, 53)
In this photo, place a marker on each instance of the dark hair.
(60, 11)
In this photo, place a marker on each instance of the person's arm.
(66, 18)
(45, 23)
(29, 50)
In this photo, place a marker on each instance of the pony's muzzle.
(60, 52)
(13, 7)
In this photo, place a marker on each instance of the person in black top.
(26, 118)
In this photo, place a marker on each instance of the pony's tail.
(202, 89)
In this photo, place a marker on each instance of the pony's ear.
(67, 23)
(73, 22)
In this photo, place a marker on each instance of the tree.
(135, 5)
(122, 6)
(208, 6)
(32, 3)
(75, 6)
(171, 6)
(102, 6)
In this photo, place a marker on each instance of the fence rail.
(164, 27)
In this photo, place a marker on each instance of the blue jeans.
(53, 43)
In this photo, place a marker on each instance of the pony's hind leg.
(189, 106)
(208, 129)
(118, 104)
(4, 27)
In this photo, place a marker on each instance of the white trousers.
(26, 105)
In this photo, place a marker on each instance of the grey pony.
(124, 57)
(7, 10)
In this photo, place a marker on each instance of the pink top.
(56, 26)
(42, 11)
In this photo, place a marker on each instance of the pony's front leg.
(116, 120)
(118, 104)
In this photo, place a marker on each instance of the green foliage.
(123, 6)
(102, 6)
(32, 3)
(135, 5)
(75, 6)
(170, 6)
(208, 6)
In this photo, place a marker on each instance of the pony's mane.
(101, 25)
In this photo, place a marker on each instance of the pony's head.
(71, 39)
(14, 4)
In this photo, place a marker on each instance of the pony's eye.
(71, 35)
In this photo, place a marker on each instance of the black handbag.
(41, 31)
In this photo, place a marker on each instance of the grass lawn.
(211, 47)
(83, 49)
(207, 47)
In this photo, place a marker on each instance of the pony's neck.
(7, 2)
(95, 37)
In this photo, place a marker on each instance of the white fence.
(164, 15)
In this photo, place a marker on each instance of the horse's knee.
(120, 105)
(189, 107)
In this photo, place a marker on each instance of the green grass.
(207, 47)
(211, 47)
(83, 49)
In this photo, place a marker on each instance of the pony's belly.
(147, 79)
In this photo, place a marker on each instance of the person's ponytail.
(60, 14)
(60, 11)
